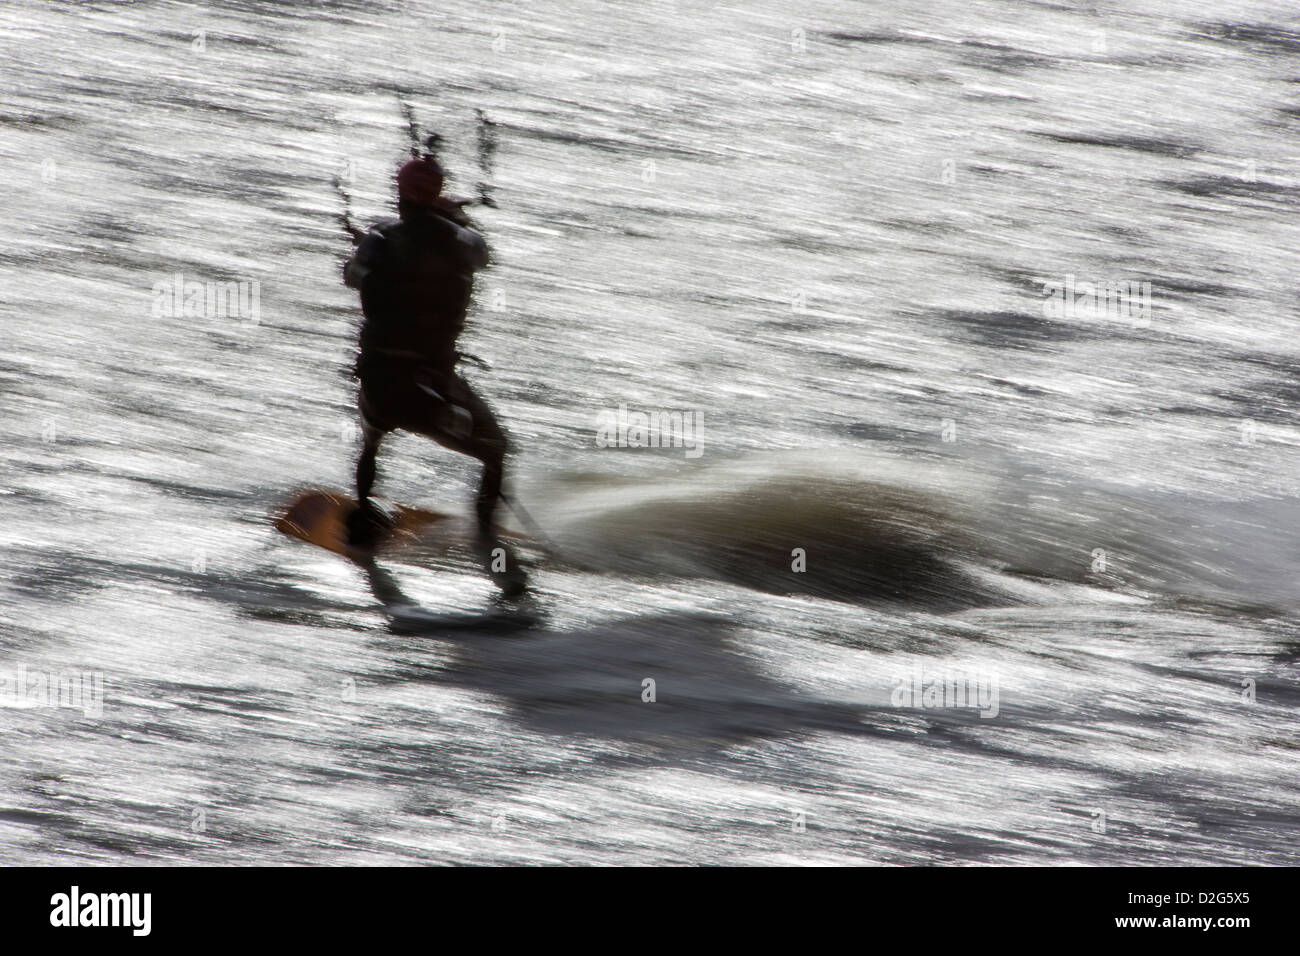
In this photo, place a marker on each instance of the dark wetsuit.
(415, 275)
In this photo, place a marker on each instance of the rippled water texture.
(825, 234)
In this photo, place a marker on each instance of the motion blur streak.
(829, 232)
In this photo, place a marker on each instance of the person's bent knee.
(492, 451)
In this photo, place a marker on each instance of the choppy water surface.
(824, 232)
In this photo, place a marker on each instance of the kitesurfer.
(415, 275)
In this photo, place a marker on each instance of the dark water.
(826, 235)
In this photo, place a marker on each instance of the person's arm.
(463, 241)
(474, 247)
(363, 260)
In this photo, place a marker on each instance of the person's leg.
(454, 416)
(487, 444)
(366, 466)
(366, 522)
(458, 419)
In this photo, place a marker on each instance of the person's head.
(419, 184)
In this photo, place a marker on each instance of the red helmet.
(420, 182)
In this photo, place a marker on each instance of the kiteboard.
(320, 517)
